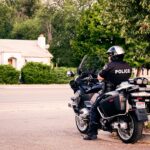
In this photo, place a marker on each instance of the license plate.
(140, 105)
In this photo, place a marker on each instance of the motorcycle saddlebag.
(112, 104)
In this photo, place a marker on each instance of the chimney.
(42, 41)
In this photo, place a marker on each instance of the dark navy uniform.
(116, 72)
(113, 73)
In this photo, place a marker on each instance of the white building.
(19, 52)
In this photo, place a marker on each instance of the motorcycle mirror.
(70, 73)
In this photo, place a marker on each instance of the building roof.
(28, 48)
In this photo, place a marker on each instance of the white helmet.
(115, 50)
(116, 53)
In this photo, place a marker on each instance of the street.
(37, 117)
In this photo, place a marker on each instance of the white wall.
(19, 59)
(41, 60)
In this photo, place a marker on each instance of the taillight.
(139, 98)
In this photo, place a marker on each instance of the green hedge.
(38, 73)
(8, 75)
(59, 75)
(33, 73)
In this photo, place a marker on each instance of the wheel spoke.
(81, 124)
(126, 133)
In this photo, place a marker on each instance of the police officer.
(115, 72)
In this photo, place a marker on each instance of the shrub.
(34, 73)
(8, 75)
(59, 75)
(38, 73)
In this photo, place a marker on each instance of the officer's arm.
(100, 78)
(104, 72)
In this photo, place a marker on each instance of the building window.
(12, 61)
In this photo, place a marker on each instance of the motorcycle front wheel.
(134, 129)
(82, 125)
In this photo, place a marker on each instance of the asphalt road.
(37, 118)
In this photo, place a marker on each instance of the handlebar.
(89, 79)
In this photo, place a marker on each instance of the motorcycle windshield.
(90, 64)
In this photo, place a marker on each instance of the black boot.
(92, 132)
(90, 137)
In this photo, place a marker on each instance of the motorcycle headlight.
(139, 81)
(145, 81)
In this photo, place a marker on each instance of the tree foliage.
(37, 73)
(126, 22)
(94, 34)
(6, 20)
(8, 75)
(77, 27)
(64, 23)
(24, 8)
(28, 29)
(132, 18)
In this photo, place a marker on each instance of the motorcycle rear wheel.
(81, 124)
(133, 132)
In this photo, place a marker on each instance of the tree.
(6, 20)
(24, 8)
(19, 20)
(126, 21)
(58, 20)
(133, 19)
(94, 34)
(64, 31)
(46, 14)
(63, 23)
(29, 29)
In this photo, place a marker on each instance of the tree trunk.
(138, 71)
(147, 71)
(49, 32)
